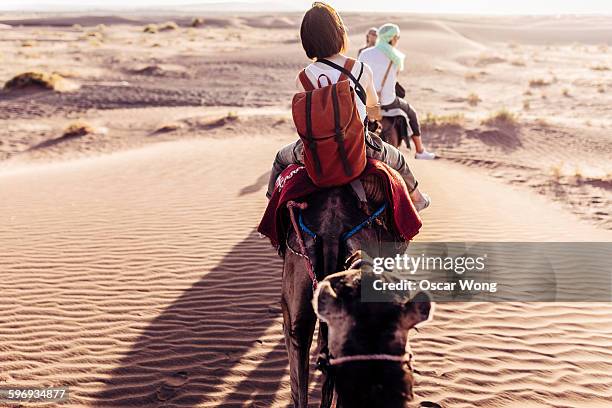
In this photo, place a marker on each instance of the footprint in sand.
(171, 385)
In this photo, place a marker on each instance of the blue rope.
(359, 227)
(304, 228)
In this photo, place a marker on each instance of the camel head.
(359, 328)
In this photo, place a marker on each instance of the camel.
(323, 219)
(368, 342)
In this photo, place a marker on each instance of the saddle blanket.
(293, 184)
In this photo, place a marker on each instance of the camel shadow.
(185, 356)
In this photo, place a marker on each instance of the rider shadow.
(257, 185)
(183, 357)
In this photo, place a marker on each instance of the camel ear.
(325, 301)
(418, 310)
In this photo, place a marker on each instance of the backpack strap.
(312, 145)
(360, 71)
(305, 81)
(348, 66)
(359, 90)
(339, 133)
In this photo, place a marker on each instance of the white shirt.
(379, 62)
(316, 69)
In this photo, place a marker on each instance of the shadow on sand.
(184, 356)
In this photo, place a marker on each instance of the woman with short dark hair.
(324, 37)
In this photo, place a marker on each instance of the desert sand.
(131, 269)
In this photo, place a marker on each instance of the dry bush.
(231, 117)
(600, 67)
(542, 122)
(473, 99)
(518, 63)
(601, 88)
(502, 117)
(169, 127)
(566, 93)
(432, 121)
(35, 79)
(168, 26)
(538, 82)
(526, 105)
(94, 38)
(197, 22)
(151, 29)
(78, 129)
(28, 43)
(528, 92)
(470, 76)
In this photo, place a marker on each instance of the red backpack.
(328, 123)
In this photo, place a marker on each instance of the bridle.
(406, 357)
(298, 226)
(327, 361)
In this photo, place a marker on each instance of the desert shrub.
(518, 63)
(432, 121)
(566, 93)
(601, 88)
(34, 79)
(470, 76)
(78, 129)
(502, 117)
(168, 26)
(169, 127)
(151, 29)
(539, 82)
(600, 67)
(542, 122)
(526, 105)
(197, 22)
(473, 99)
(231, 117)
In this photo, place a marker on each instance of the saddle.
(381, 184)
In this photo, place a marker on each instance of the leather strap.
(311, 141)
(348, 66)
(339, 132)
(359, 90)
(308, 86)
(384, 79)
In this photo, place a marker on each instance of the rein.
(290, 206)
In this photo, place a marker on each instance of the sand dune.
(130, 266)
(137, 279)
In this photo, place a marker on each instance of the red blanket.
(294, 184)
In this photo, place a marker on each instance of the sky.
(423, 6)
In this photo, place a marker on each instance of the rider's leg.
(289, 154)
(413, 121)
(395, 159)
